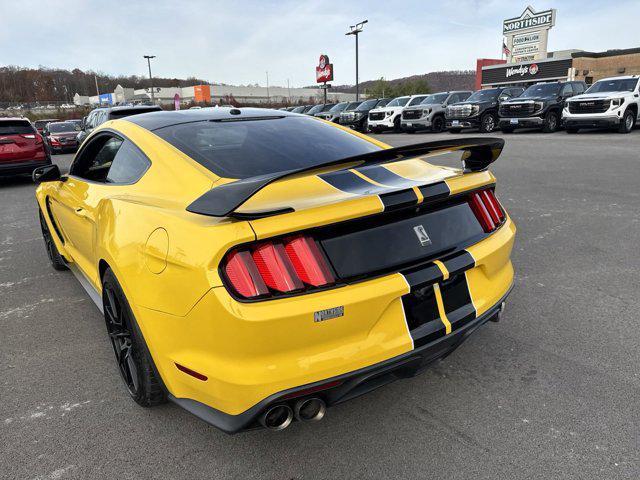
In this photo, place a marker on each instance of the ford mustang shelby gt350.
(257, 266)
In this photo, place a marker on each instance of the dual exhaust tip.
(279, 417)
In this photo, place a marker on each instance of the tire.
(438, 124)
(132, 356)
(572, 129)
(396, 124)
(57, 261)
(375, 130)
(551, 122)
(455, 130)
(488, 123)
(507, 130)
(365, 126)
(628, 121)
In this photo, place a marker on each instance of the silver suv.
(429, 114)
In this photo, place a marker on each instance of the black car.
(540, 106)
(480, 110)
(358, 117)
(333, 114)
(321, 107)
(100, 115)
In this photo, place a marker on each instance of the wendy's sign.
(324, 70)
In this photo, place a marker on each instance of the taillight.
(265, 269)
(487, 209)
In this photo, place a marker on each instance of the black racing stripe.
(435, 191)
(456, 300)
(423, 276)
(380, 174)
(459, 262)
(350, 182)
(400, 199)
(421, 311)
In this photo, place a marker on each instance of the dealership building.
(528, 61)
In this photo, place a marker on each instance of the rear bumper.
(23, 167)
(524, 122)
(351, 385)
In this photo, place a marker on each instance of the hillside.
(30, 85)
(438, 81)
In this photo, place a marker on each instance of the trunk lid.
(19, 142)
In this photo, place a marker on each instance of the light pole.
(355, 30)
(268, 96)
(149, 57)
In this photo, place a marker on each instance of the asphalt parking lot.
(549, 392)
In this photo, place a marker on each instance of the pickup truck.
(610, 103)
(540, 106)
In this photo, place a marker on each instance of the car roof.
(155, 120)
(622, 77)
(14, 119)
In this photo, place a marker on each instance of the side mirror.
(48, 173)
(502, 98)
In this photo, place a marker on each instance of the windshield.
(383, 102)
(484, 95)
(62, 127)
(315, 109)
(542, 90)
(243, 149)
(435, 99)
(398, 102)
(416, 100)
(327, 107)
(42, 123)
(16, 127)
(339, 107)
(352, 105)
(298, 109)
(619, 85)
(367, 105)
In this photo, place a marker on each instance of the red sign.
(324, 70)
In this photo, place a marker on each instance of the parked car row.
(549, 106)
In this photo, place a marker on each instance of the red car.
(22, 149)
(61, 136)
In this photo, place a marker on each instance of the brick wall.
(597, 68)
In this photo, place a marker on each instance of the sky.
(237, 42)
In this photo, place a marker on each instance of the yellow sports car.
(257, 266)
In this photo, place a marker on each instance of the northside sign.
(529, 19)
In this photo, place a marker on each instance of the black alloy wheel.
(55, 258)
(438, 124)
(488, 123)
(133, 359)
(550, 123)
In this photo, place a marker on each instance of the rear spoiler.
(224, 200)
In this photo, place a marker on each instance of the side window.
(578, 88)
(128, 165)
(567, 90)
(96, 158)
(463, 96)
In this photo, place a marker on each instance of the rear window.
(252, 147)
(134, 111)
(62, 127)
(15, 127)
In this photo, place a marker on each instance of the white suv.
(611, 102)
(389, 116)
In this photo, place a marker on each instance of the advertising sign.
(324, 70)
(527, 35)
(529, 20)
(106, 99)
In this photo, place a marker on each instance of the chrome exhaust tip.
(310, 409)
(277, 417)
